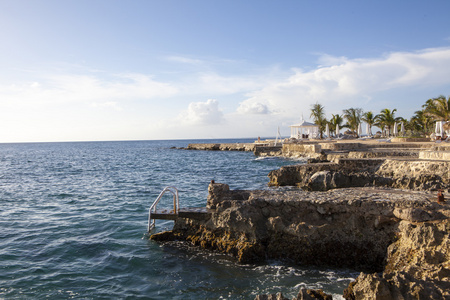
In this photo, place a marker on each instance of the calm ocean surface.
(73, 219)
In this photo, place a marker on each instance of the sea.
(73, 224)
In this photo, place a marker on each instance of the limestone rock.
(298, 175)
(320, 181)
(417, 266)
(303, 294)
(412, 214)
(401, 235)
(215, 193)
(307, 294)
(370, 287)
(277, 296)
(405, 174)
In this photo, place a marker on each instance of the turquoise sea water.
(73, 219)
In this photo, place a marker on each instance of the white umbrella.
(359, 129)
(395, 131)
(327, 130)
(337, 130)
(436, 130)
(441, 127)
(402, 129)
(368, 132)
(278, 137)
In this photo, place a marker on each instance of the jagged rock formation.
(222, 146)
(303, 294)
(396, 173)
(402, 234)
(417, 266)
(399, 238)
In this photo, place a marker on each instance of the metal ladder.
(153, 214)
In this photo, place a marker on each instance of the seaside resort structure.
(304, 130)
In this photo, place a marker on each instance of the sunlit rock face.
(405, 174)
(417, 265)
(402, 235)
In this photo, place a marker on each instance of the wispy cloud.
(185, 60)
(108, 104)
(249, 103)
(215, 83)
(351, 80)
(91, 88)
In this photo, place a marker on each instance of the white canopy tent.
(402, 129)
(439, 130)
(368, 130)
(304, 130)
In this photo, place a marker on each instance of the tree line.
(420, 124)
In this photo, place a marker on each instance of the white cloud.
(67, 88)
(203, 113)
(118, 86)
(253, 108)
(109, 104)
(351, 80)
(329, 60)
(212, 83)
(35, 85)
(87, 105)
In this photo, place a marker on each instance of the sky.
(103, 70)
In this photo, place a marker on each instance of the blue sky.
(78, 70)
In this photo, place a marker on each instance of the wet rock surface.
(303, 294)
(398, 238)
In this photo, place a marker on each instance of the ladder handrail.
(176, 205)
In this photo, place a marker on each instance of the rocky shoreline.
(379, 215)
(424, 175)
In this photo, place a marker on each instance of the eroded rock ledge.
(402, 236)
(348, 172)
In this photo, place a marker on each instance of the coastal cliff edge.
(399, 239)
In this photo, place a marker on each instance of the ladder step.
(164, 214)
(154, 214)
(197, 213)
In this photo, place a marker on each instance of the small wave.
(265, 158)
(281, 159)
(77, 213)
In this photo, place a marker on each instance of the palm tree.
(334, 121)
(318, 115)
(420, 122)
(353, 116)
(438, 108)
(369, 118)
(386, 118)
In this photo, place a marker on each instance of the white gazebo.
(304, 130)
